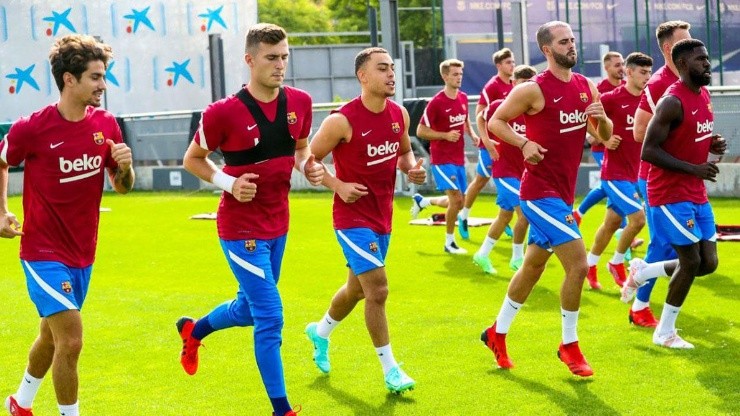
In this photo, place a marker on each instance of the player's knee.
(578, 271)
(708, 265)
(638, 221)
(70, 346)
(377, 295)
(690, 263)
(456, 201)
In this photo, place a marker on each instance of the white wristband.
(223, 180)
(302, 166)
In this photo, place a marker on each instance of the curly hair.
(72, 53)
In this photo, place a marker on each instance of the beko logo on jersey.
(386, 148)
(705, 127)
(89, 165)
(519, 128)
(630, 120)
(460, 118)
(574, 117)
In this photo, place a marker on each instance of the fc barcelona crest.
(569, 219)
(292, 118)
(250, 245)
(584, 97)
(66, 287)
(99, 138)
(374, 247)
(690, 223)
(396, 127)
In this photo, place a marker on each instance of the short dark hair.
(682, 47)
(72, 53)
(544, 33)
(638, 59)
(524, 72)
(664, 31)
(365, 55)
(501, 55)
(609, 55)
(268, 33)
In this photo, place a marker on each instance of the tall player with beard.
(677, 143)
(66, 147)
(368, 138)
(557, 105)
(262, 132)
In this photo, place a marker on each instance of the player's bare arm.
(471, 132)
(479, 110)
(196, 162)
(122, 177)
(9, 225)
(642, 118)
(426, 133)
(669, 114)
(306, 163)
(488, 142)
(335, 129)
(407, 162)
(524, 98)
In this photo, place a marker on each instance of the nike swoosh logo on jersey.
(55, 145)
(365, 133)
(448, 110)
(251, 127)
(694, 112)
(556, 99)
(625, 106)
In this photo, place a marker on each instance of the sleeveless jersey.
(689, 141)
(369, 158)
(246, 140)
(445, 114)
(561, 129)
(655, 88)
(622, 163)
(63, 181)
(495, 89)
(603, 87)
(510, 163)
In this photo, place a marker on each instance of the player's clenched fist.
(9, 226)
(417, 175)
(351, 192)
(244, 189)
(314, 171)
(121, 153)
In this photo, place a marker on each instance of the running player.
(444, 123)
(507, 173)
(262, 132)
(368, 138)
(619, 173)
(66, 147)
(556, 107)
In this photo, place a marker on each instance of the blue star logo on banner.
(139, 17)
(59, 19)
(213, 15)
(109, 75)
(22, 77)
(178, 70)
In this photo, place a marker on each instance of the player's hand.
(595, 109)
(417, 175)
(351, 192)
(9, 226)
(121, 153)
(613, 142)
(533, 152)
(707, 171)
(244, 189)
(314, 171)
(476, 140)
(452, 136)
(718, 146)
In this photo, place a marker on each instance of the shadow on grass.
(584, 401)
(722, 286)
(357, 406)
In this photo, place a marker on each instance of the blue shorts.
(485, 163)
(55, 287)
(659, 248)
(450, 177)
(598, 157)
(622, 197)
(251, 259)
(507, 192)
(363, 248)
(551, 222)
(685, 223)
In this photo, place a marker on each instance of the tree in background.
(298, 16)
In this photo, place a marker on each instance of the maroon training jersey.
(655, 88)
(369, 158)
(63, 180)
(689, 141)
(603, 87)
(495, 89)
(622, 163)
(445, 114)
(561, 129)
(229, 125)
(510, 163)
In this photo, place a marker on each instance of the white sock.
(667, 324)
(385, 354)
(69, 409)
(506, 315)
(570, 326)
(425, 202)
(592, 259)
(617, 258)
(652, 270)
(517, 251)
(639, 305)
(27, 390)
(464, 213)
(449, 239)
(486, 247)
(326, 325)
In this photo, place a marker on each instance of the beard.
(699, 78)
(564, 60)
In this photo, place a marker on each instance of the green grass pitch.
(154, 265)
